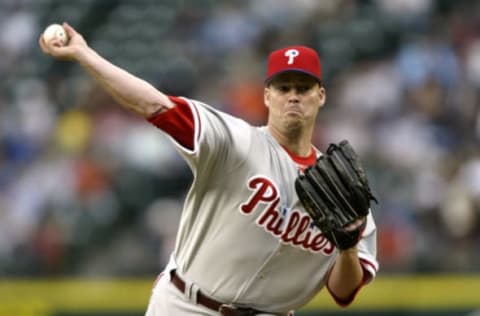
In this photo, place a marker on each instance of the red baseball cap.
(294, 58)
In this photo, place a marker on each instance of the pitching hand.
(71, 51)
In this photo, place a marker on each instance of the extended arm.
(131, 92)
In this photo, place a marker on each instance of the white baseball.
(55, 31)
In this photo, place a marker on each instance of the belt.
(224, 309)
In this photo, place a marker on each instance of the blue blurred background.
(88, 189)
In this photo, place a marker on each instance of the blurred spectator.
(83, 187)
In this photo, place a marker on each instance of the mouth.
(293, 109)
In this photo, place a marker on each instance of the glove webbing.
(345, 151)
(329, 191)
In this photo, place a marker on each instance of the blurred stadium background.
(90, 195)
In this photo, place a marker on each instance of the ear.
(322, 95)
(266, 96)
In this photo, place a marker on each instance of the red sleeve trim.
(365, 265)
(178, 122)
(344, 302)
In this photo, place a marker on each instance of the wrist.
(350, 251)
(84, 55)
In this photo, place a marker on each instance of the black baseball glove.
(336, 195)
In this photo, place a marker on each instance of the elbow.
(152, 110)
(150, 102)
(153, 107)
(345, 299)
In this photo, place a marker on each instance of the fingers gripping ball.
(55, 31)
(336, 194)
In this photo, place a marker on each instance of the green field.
(395, 295)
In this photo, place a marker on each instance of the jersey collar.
(303, 162)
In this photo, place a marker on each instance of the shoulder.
(209, 114)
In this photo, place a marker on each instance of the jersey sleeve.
(204, 136)
(367, 249)
(178, 122)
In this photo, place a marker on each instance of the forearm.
(131, 92)
(346, 275)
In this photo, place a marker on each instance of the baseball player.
(245, 245)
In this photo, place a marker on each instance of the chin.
(293, 123)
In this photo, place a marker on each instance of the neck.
(298, 141)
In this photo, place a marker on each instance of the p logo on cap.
(291, 54)
(294, 58)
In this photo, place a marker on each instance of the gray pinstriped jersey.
(243, 236)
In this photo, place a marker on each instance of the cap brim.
(268, 79)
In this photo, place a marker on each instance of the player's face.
(293, 100)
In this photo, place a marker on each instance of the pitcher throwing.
(245, 244)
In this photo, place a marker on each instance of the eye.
(283, 88)
(303, 88)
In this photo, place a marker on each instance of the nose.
(293, 94)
